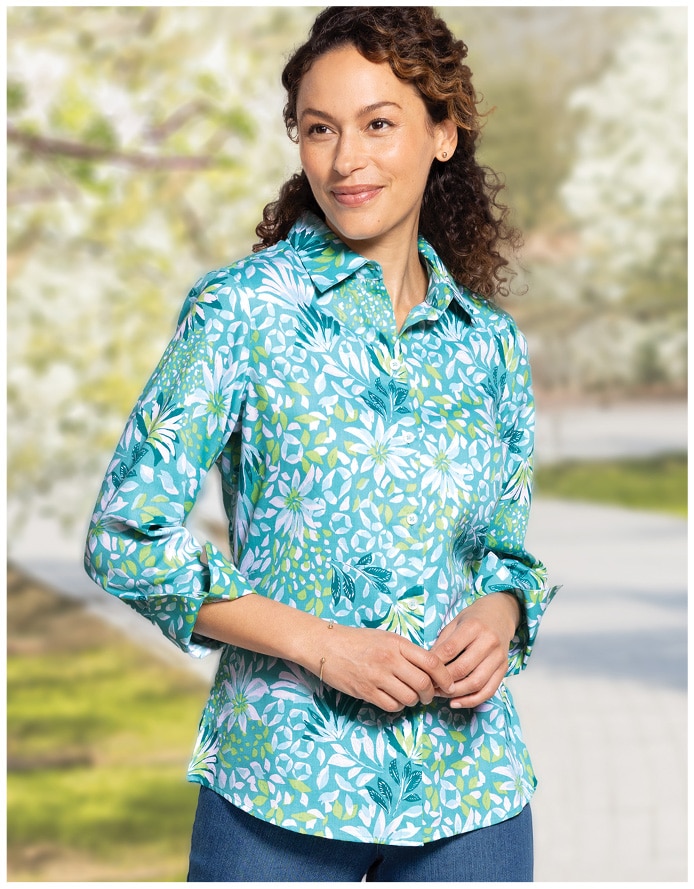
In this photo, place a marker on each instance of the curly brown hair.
(460, 215)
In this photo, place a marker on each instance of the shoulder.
(243, 286)
(495, 330)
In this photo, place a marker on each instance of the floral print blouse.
(376, 477)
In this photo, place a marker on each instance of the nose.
(349, 154)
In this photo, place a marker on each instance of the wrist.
(312, 649)
(514, 609)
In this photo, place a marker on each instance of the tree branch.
(176, 120)
(81, 151)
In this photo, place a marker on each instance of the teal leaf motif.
(413, 777)
(468, 544)
(512, 438)
(404, 616)
(383, 794)
(331, 715)
(378, 799)
(393, 740)
(375, 403)
(119, 475)
(342, 584)
(386, 792)
(387, 400)
(250, 469)
(316, 327)
(494, 386)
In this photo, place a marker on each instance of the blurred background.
(143, 143)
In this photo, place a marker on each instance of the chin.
(354, 231)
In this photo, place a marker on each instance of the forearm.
(373, 665)
(259, 624)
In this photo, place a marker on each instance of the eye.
(380, 124)
(317, 129)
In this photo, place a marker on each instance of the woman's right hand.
(373, 665)
(381, 667)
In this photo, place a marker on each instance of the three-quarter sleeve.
(138, 547)
(506, 565)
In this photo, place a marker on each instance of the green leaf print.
(405, 616)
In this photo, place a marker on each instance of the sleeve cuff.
(527, 579)
(175, 615)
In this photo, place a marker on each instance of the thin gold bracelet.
(331, 624)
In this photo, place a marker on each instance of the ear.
(446, 139)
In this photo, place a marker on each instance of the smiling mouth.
(355, 195)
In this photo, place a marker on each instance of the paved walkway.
(603, 701)
(594, 431)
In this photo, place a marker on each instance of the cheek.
(312, 152)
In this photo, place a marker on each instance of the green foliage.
(137, 819)
(99, 736)
(16, 96)
(654, 483)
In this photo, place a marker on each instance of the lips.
(355, 195)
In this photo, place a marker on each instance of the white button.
(395, 365)
(408, 437)
(411, 519)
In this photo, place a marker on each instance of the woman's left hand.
(475, 647)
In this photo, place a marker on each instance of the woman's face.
(366, 144)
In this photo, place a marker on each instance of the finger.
(477, 688)
(483, 647)
(428, 663)
(387, 702)
(397, 694)
(453, 640)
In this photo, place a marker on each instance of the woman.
(370, 411)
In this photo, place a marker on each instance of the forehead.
(343, 79)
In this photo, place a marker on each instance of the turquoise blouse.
(376, 477)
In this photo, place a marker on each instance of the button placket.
(397, 362)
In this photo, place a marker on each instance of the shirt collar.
(326, 258)
(443, 290)
(329, 261)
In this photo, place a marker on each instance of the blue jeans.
(229, 845)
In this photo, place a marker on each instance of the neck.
(406, 283)
(403, 274)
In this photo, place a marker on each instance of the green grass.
(655, 483)
(98, 740)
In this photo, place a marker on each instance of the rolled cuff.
(527, 579)
(173, 606)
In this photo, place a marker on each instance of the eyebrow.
(367, 109)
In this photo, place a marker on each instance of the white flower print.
(515, 786)
(297, 510)
(281, 285)
(384, 450)
(444, 473)
(214, 400)
(203, 302)
(160, 427)
(242, 691)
